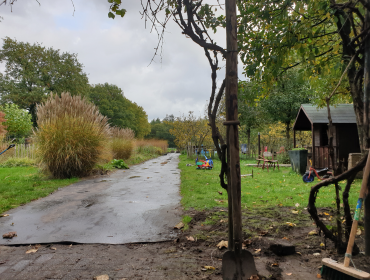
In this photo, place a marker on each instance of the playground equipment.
(204, 164)
(309, 176)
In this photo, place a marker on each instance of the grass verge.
(20, 185)
(201, 189)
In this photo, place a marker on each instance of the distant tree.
(33, 71)
(285, 98)
(18, 121)
(191, 129)
(112, 104)
(120, 111)
(161, 130)
(250, 110)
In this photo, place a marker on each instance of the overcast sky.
(119, 51)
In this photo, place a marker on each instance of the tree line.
(33, 71)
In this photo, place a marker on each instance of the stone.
(282, 248)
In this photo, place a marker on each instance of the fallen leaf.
(322, 244)
(179, 225)
(288, 274)
(254, 277)
(10, 235)
(318, 275)
(31, 251)
(219, 192)
(248, 193)
(257, 250)
(190, 238)
(358, 232)
(299, 253)
(222, 221)
(209, 267)
(70, 246)
(316, 254)
(53, 248)
(297, 205)
(295, 212)
(4, 215)
(274, 264)
(286, 238)
(164, 162)
(326, 214)
(263, 232)
(223, 244)
(101, 277)
(290, 224)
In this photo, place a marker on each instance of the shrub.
(119, 163)
(283, 158)
(71, 135)
(121, 148)
(18, 121)
(17, 162)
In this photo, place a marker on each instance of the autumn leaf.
(190, 238)
(222, 244)
(179, 225)
(209, 267)
(31, 251)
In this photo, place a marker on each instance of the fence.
(24, 150)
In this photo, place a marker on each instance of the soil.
(183, 258)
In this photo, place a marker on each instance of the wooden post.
(313, 145)
(259, 145)
(294, 140)
(234, 185)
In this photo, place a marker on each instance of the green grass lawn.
(20, 185)
(200, 188)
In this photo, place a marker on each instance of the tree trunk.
(287, 127)
(234, 184)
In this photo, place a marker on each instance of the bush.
(149, 150)
(121, 148)
(71, 135)
(18, 162)
(283, 158)
(18, 121)
(119, 163)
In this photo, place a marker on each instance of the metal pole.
(259, 144)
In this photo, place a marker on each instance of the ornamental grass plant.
(121, 142)
(150, 145)
(71, 135)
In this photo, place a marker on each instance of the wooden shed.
(345, 141)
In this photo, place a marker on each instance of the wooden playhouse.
(345, 141)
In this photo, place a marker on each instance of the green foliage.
(161, 130)
(283, 158)
(119, 163)
(18, 162)
(186, 220)
(32, 72)
(121, 112)
(71, 136)
(20, 185)
(18, 121)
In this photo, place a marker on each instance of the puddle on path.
(132, 177)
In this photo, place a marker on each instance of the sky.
(119, 51)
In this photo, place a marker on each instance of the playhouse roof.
(309, 114)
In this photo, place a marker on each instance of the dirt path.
(141, 204)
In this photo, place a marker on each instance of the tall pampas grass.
(122, 142)
(71, 135)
